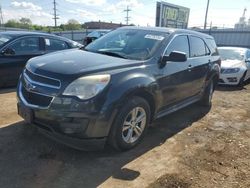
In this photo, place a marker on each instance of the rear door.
(13, 63)
(200, 61)
(52, 44)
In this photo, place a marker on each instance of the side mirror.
(174, 56)
(8, 52)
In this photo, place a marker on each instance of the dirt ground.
(194, 147)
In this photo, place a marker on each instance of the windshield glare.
(129, 43)
(4, 39)
(231, 54)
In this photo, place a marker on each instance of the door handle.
(190, 68)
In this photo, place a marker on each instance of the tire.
(130, 125)
(241, 83)
(208, 94)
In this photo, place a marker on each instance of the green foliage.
(25, 23)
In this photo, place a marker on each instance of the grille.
(35, 98)
(221, 81)
(42, 79)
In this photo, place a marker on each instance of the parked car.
(111, 90)
(94, 35)
(235, 65)
(16, 48)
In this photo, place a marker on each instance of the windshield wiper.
(112, 54)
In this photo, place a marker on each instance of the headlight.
(231, 70)
(88, 86)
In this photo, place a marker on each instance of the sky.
(222, 13)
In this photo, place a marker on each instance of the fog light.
(76, 125)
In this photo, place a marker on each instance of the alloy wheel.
(134, 125)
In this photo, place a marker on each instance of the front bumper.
(230, 79)
(75, 123)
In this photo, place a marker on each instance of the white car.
(235, 65)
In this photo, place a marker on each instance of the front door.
(15, 56)
(176, 76)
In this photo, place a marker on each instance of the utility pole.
(127, 18)
(1, 17)
(55, 17)
(205, 22)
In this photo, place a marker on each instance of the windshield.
(97, 34)
(128, 43)
(4, 39)
(231, 54)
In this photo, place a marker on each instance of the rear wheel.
(130, 125)
(208, 94)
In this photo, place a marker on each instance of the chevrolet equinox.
(110, 90)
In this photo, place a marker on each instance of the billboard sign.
(169, 15)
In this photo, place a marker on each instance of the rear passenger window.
(180, 43)
(197, 47)
(212, 46)
(54, 45)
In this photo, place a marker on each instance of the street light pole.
(205, 22)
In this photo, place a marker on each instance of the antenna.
(127, 18)
(55, 18)
(244, 12)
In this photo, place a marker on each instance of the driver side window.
(180, 43)
(25, 46)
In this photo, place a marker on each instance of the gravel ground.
(194, 147)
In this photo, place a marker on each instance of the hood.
(76, 62)
(231, 63)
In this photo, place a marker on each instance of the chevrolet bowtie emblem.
(30, 87)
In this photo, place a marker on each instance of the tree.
(72, 24)
(12, 23)
(25, 23)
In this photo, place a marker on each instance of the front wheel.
(130, 124)
(241, 83)
(208, 94)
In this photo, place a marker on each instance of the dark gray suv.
(112, 89)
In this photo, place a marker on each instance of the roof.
(232, 47)
(19, 33)
(16, 34)
(168, 30)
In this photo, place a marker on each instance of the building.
(242, 23)
(102, 25)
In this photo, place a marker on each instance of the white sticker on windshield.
(47, 42)
(154, 37)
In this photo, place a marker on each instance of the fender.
(214, 72)
(130, 85)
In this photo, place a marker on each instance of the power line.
(127, 18)
(55, 17)
(205, 22)
(1, 16)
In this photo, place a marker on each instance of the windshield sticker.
(47, 42)
(154, 37)
(3, 39)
